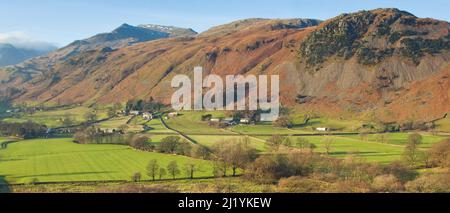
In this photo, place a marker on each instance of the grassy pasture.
(156, 139)
(190, 122)
(265, 128)
(343, 147)
(402, 138)
(336, 124)
(60, 160)
(443, 125)
(209, 141)
(136, 124)
(114, 123)
(157, 127)
(53, 118)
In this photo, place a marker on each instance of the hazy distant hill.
(10, 55)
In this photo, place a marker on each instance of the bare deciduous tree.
(173, 169)
(153, 169)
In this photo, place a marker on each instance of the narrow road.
(178, 132)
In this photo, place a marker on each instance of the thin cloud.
(22, 40)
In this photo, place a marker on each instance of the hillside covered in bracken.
(383, 63)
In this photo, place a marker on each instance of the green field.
(136, 124)
(401, 138)
(266, 128)
(343, 147)
(156, 139)
(369, 149)
(114, 123)
(209, 141)
(60, 160)
(53, 118)
(190, 122)
(443, 125)
(157, 127)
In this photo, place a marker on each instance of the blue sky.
(62, 21)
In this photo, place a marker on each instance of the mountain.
(126, 35)
(383, 64)
(10, 55)
(123, 36)
(171, 30)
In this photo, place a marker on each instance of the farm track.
(178, 132)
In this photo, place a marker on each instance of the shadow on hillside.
(4, 187)
(357, 153)
(303, 125)
(11, 160)
(4, 145)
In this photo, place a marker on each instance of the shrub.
(26, 130)
(386, 183)
(263, 170)
(283, 121)
(400, 171)
(136, 177)
(430, 183)
(301, 185)
(169, 144)
(206, 117)
(440, 154)
(138, 141)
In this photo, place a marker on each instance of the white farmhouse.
(147, 116)
(245, 121)
(173, 114)
(322, 129)
(135, 112)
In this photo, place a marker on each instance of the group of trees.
(234, 154)
(294, 165)
(156, 171)
(25, 130)
(93, 135)
(284, 121)
(252, 115)
(180, 146)
(437, 156)
(168, 145)
(298, 171)
(276, 142)
(142, 105)
(175, 145)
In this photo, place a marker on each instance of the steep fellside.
(362, 61)
(375, 62)
(145, 69)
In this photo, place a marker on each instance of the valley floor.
(60, 165)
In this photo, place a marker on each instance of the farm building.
(135, 112)
(215, 120)
(244, 121)
(147, 116)
(173, 114)
(322, 129)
